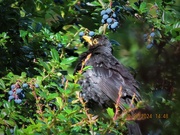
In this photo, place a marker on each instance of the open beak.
(88, 39)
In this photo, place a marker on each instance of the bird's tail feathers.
(133, 128)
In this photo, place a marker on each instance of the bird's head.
(96, 41)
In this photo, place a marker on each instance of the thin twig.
(74, 37)
(132, 101)
(91, 119)
(117, 104)
(66, 85)
(102, 4)
(84, 62)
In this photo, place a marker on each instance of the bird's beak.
(88, 39)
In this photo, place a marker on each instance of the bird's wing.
(108, 75)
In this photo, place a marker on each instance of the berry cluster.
(109, 17)
(150, 39)
(17, 92)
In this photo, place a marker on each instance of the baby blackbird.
(101, 84)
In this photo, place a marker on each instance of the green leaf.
(176, 25)
(69, 60)
(31, 120)
(43, 94)
(110, 112)
(55, 55)
(2, 132)
(143, 7)
(58, 37)
(59, 101)
(61, 117)
(2, 85)
(10, 75)
(87, 67)
(10, 122)
(45, 65)
(178, 38)
(39, 79)
(23, 74)
(7, 105)
(134, 6)
(23, 33)
(94, 4)
(52, 96)
(71, 76)
(66, 27)
(101, 29)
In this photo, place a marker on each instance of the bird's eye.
(95, 41)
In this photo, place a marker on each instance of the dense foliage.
(40, 41)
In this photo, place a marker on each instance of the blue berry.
(91, 33)
(152, 34)
(75, 48)
(25, 85)
(60, 45)
(81, 33)
(109, 20)
(108, 11)
(103, 12)
(13, 86)
(114, 15)
(12, 131)
(36, 85)
(114, 25)
(102, 21)
(18, 91)
(18, 101)
(145, 35)
(149, 46)
(105, 17)
(21, 95)
(10, 92)
(11, 97)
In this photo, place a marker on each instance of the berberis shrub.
(41, 40)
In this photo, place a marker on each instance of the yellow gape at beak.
(88, 39)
